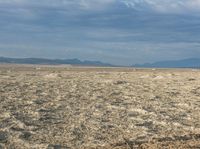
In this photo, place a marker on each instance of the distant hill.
(185, 63)
(41, 61)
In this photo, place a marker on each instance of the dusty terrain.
(73, 107)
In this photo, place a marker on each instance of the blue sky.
(121, 32)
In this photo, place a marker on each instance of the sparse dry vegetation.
(97, 108)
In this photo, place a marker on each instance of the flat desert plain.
(65, 107)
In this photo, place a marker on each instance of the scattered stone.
(2, 146)
(17, 129)
(145, 124)
(120, 82)
(26, 135)
(51, 146)
(3, 137)
(40, 101)
(133, 114)
(191, 79)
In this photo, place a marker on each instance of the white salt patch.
(106, 81)
(159, 77)
(5, 115)
(177, 124)
(5, 77)
(143, 77)
(161, 123)
(115, 107)
(141, 111)
(169, 75)
(51, 76)
(183, 105)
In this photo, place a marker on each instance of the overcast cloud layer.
(115, 31)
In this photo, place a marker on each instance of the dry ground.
(73, 107)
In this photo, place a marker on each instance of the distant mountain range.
(41, 61)
(185, 63)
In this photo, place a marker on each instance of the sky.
(122, 32)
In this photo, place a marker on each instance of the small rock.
(17, 129)
(40, 101)
(191, 79)
(120, 82)
(133, 114)
(25, 135)
(2, 146)
(158, 77)
(3, 137)
(51, 146)
(145, 124)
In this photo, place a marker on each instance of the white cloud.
(79, 4)
(95, 4)
(165, 6)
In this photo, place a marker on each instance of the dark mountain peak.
(185, 63)
(39, 61)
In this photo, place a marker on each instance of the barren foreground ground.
(71, 107)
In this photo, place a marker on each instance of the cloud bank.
(167, 6)
(115, 31)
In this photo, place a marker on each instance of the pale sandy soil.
(68, 107)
